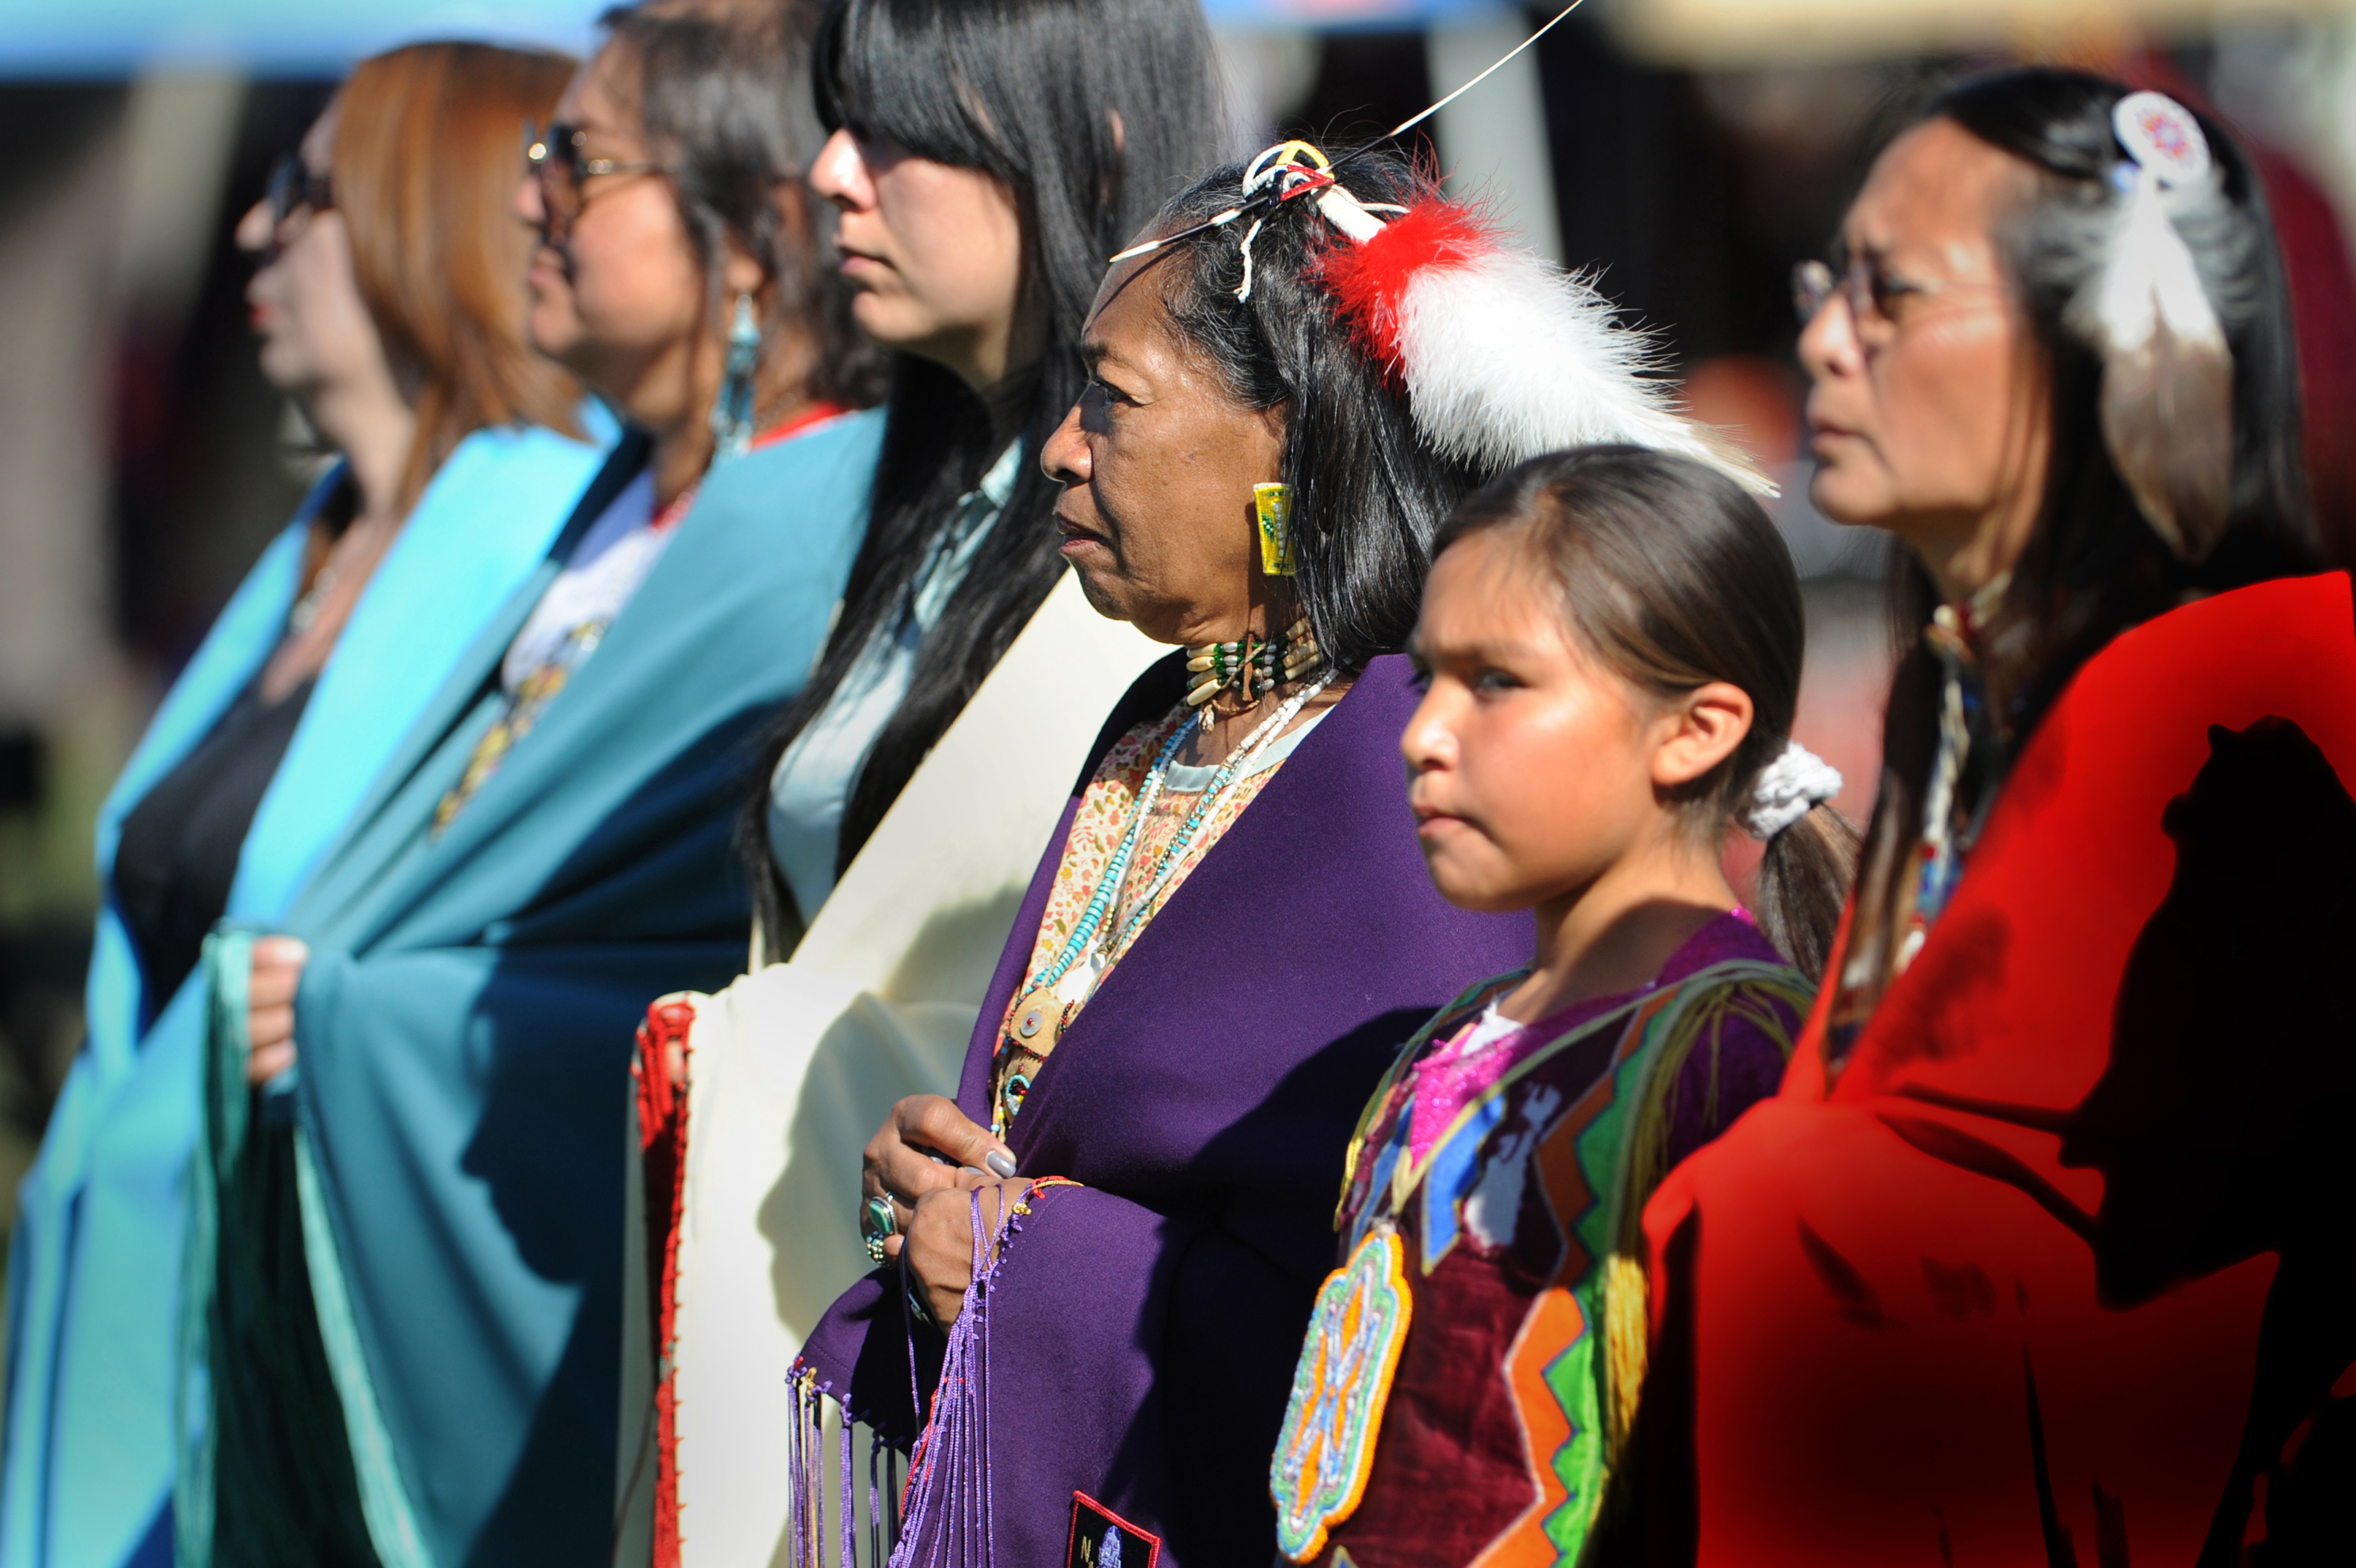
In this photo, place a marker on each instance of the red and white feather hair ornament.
(1504, 355)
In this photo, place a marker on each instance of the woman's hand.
(270, 1007)
(939, 1244)
(923, 1147)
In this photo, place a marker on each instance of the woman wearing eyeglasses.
(2047, 1251)
(446, 1014)
(384, 301)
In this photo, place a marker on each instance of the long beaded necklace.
(1953, 636)
(1039, 1018)
(1939, 870)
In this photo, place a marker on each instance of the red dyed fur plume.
(1370, 281)
(1504, 355)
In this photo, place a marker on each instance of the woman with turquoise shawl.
(452, 482)
(413, 1339)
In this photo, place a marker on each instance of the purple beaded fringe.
(948, 1496)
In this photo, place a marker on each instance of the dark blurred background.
(1687, 152)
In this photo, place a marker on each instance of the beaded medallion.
(1326, 1449)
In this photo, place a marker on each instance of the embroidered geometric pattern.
(1102, 1539)
(1326, 1449)
(1575, 1364)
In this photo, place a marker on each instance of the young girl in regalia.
(1609, 650)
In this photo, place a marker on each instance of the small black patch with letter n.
(1102, 1539)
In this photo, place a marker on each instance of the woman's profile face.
(1158, 460)
(616, 288)
(933, 254)
(1927, 415)
(316, 331)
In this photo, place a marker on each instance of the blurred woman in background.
(2048, 1237)
(455, 989)
(385, 301)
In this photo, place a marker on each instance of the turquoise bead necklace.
(1038, 1017)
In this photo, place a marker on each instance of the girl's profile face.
(1531, 768)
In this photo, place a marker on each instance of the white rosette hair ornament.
(1796, 782)
(2167, 374)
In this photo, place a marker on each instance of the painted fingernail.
(1002, 1163)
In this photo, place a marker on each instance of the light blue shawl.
(95, 1258)
(465, 1025)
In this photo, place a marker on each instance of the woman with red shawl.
(2046, 1253)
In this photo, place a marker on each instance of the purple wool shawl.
(1144, 1327)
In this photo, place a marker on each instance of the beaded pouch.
(1326, 1449)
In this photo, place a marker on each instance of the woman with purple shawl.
(1122, 1220)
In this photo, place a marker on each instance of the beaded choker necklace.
(1250, 668)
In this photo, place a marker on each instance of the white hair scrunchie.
(1788, 789)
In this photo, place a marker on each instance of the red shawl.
(2060, 1265)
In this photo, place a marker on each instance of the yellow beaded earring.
(1274, 505)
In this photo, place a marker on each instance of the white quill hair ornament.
(2167, 374)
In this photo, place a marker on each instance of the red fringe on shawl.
(662, 1143)
(1370, 280)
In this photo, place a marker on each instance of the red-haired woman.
(386, 301)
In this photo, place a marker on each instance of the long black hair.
(1369, 492)
(1672, 576)
(2094, 566)
(1089, 112)
(724, 103)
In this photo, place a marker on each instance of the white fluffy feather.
(2149, 279)
(1508, 358)
(2167, 372)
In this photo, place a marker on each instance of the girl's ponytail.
(1804, 881)
(1811, 852)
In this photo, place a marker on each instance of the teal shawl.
(95, 1257)
(466, 1021)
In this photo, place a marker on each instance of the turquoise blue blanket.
(95, 1257)
(465, 1025)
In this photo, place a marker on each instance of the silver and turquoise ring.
(878, 1220)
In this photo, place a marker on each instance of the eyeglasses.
(293, 188)
(1877, 300)
(556, 161)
